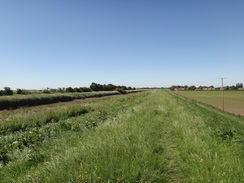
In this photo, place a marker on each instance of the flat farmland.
(233, 100)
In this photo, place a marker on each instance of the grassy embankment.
(144, 137)
(233, 100)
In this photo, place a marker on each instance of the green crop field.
(233, 100)
(151, 136)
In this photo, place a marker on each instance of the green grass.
(17, 101)
(233, 100)
(145, 137)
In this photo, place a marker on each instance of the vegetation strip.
(145, 137)
(39, 131)
(43, 99)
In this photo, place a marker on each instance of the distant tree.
(124, 87)
(1, 92)
(233, 87)
(173, 87)
(100, 87)
(70, 90)
(96, 87)
(7, 91)
(192, 87)
(77, 90)
(107, 87)
(19, 91)
(239, 85)
(61, 90)
(200, 87)
(111, 87)
(104, 87)
(85, 89)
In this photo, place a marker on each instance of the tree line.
(193, 87)
(93, 87)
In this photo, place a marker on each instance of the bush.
(121, 90)
(46, 91)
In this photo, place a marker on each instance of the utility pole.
(223, 100)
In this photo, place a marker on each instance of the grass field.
(233, 100)
(152, 136)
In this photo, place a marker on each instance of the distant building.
(179, 89)
(52, 90)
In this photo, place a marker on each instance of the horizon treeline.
(93, 87)
(193, 87)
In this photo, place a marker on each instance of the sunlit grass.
(146, 137)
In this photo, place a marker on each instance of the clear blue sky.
(61, 43)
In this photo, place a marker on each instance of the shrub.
(46, 91)
(121, 90)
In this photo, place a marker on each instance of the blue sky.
(61, 43)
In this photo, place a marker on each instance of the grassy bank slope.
(144, 137)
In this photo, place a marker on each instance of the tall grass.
(40, 119)
(146, 137)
